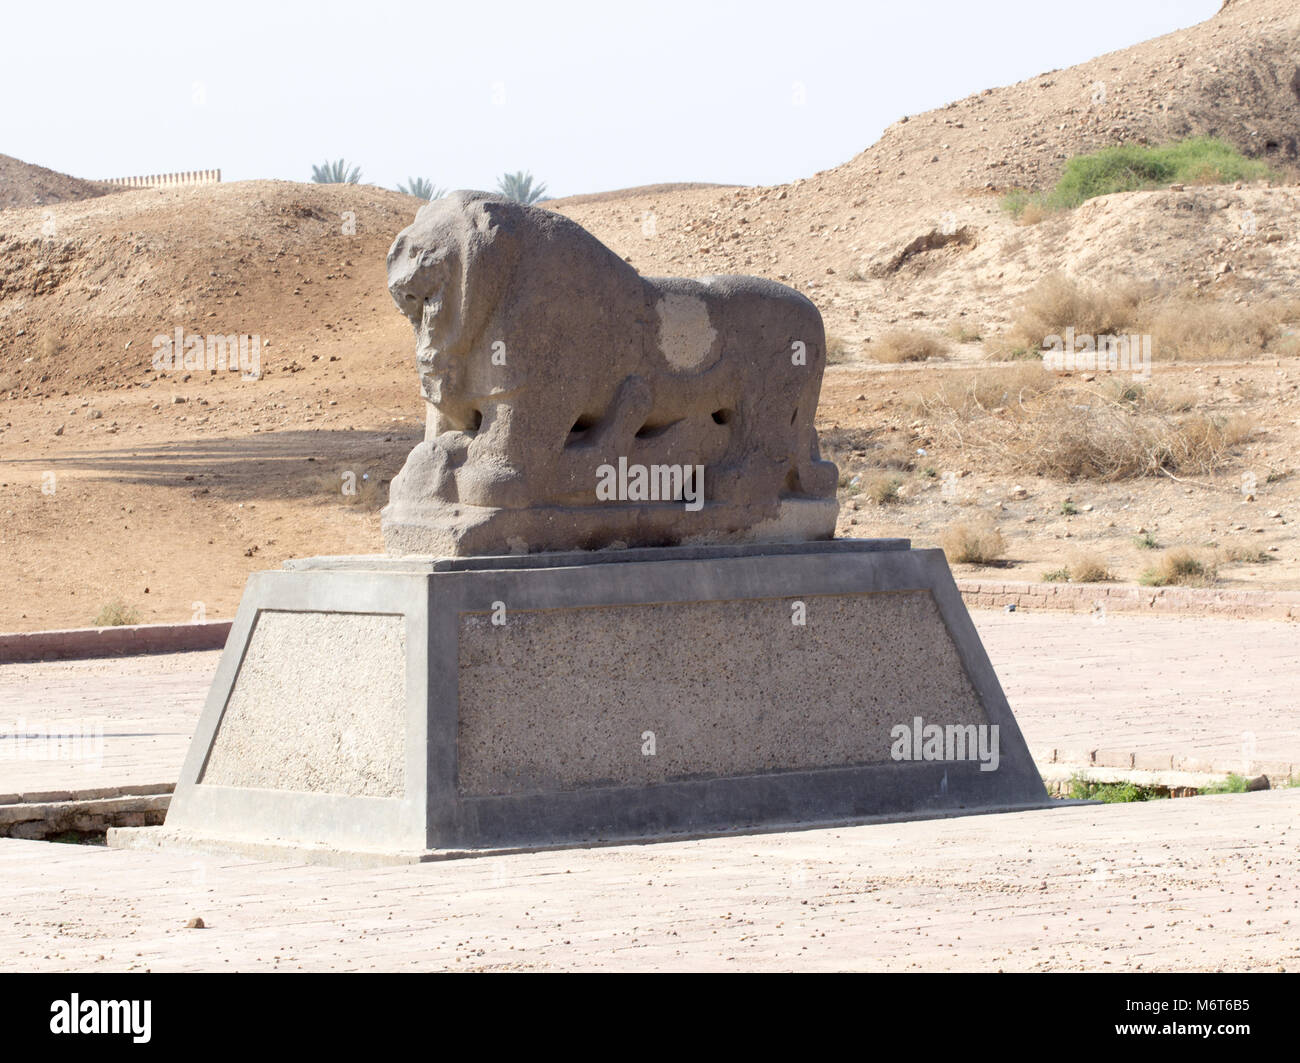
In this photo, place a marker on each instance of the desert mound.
(913, 228)
(301, 266)
(25, 185)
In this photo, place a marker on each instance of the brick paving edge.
(1129, 599)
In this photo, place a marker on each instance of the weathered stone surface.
(318, 707)
(562, 699)
(545, 360)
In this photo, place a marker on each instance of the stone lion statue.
(559, 381)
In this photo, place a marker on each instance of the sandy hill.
(301, 266)
(912, 227)
(25, 185)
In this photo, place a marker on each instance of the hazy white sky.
(587, 95)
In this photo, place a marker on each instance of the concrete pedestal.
(371, 709)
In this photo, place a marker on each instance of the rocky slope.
(25, 185)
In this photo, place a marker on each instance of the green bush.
(1015, 201)
(1112, 792)
(1233, 784)
(1130, 168)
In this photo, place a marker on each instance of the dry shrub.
(893, 453)
(975, 542)
(882, 489)
(837, 350)
(1170, 398)
(1213, 436)
(960, 332)
(969, 394)
(1070, 434)
(1287, 345)
(1187, 325)
(1157, 397)
(854, 449)
(1007, 349)
(1089, 568)
(838, 441)
(908, 345)
(1056, 303)
(1179, 567)
(1246, 554)
(1032, 214)
(1198, 330)
(116, 614)
(1286, 310)
(1085, 568)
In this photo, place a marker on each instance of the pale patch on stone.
(685, 333)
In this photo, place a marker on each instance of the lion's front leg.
(499, 468)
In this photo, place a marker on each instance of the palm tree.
(519, 187)
(421, 188)
(335, 173)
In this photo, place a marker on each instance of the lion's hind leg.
(596, 439)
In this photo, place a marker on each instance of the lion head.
(447, 272)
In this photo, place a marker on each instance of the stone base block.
(464, 530)
(385, 708)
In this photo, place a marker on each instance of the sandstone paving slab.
(144, 707)
(1220, 691)
(1208, 883)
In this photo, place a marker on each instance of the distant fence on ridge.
(168, 180)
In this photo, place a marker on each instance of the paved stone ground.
(1161, 689)
(1204, 883)
(145, 707)
(1212, 693)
